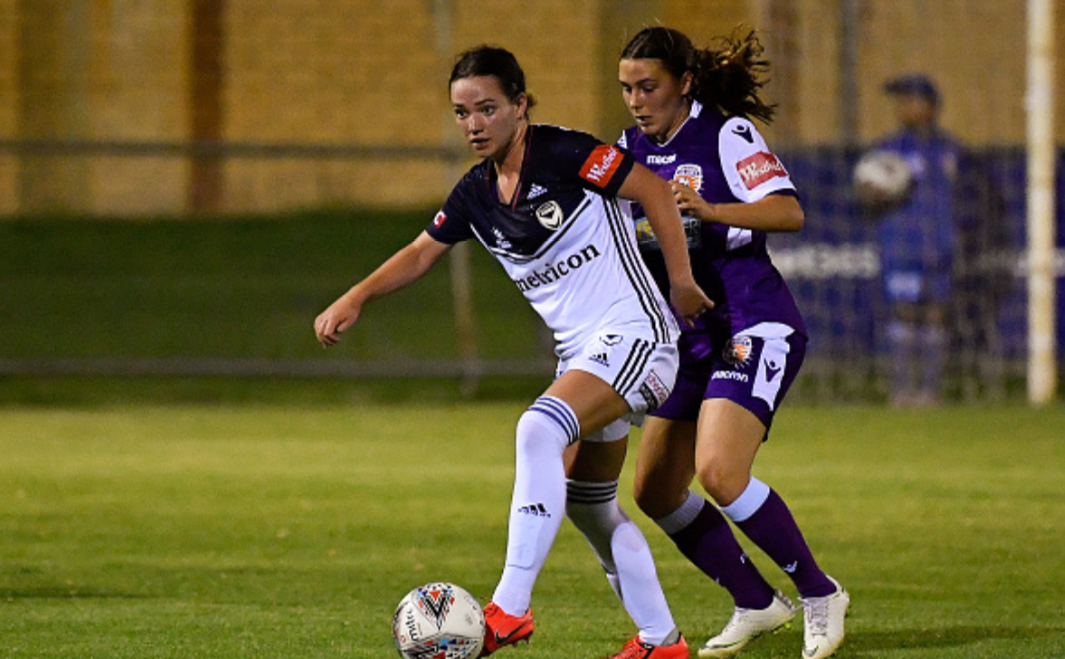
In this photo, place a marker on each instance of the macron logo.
(759, 168)
(599, 168)
(729, 375)
(743, 132)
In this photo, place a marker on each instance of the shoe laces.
(815, 610)
(631, 650)
(734, 621)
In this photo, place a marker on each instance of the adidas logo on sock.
(535, 509)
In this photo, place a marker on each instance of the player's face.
(654, 96)
(487, 118)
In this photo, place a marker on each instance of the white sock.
(748, 502)
(680, 518)
(593, 509)
(539, 500)
(624, 554)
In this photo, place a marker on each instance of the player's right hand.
(689, 300)
(333, 321)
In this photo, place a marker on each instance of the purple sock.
(709, 544)
(774, 530)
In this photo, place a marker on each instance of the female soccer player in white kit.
(544, 202)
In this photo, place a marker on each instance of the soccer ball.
(438, 621)
(882, 178)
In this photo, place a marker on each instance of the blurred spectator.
(933, 240)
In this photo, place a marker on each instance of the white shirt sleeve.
(751, 169)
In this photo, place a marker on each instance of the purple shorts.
(753, 369)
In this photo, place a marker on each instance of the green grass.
(292, 529)
(85, 293)
(243, 287)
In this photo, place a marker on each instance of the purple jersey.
(725, 160)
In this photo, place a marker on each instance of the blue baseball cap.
(914, 84)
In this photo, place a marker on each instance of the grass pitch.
(202, 530)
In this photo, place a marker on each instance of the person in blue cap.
(917, 239)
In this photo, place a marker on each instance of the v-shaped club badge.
(550, 215)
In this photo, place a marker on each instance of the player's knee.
(593, 506)
(549, 422)
(533, 432)
(720, 481)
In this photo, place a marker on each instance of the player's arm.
(766, 199)
(774, 212)
(404, 268)
(653, 193)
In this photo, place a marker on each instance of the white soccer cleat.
(823, 623)
(745, 625)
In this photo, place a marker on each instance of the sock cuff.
(559, 412)
(749, 502)
(590, 493)
(680, 518)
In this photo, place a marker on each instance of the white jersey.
(565, 240)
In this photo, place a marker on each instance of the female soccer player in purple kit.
(693, 110)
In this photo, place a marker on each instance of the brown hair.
(499, 63)
(727, 74)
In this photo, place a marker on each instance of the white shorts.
(641, 371)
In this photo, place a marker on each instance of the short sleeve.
(751, 169)
(599, 167)
(451, 225)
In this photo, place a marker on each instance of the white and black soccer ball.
(438, 621)
(882, 178)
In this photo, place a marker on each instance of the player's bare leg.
(730, 437)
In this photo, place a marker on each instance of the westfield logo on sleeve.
(756, 169)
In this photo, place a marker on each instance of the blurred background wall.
(244, 110)
(297, 103)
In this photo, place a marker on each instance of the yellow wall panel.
(374, 72)
(9, 165)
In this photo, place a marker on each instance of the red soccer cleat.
(501, 629)
(637, 649)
